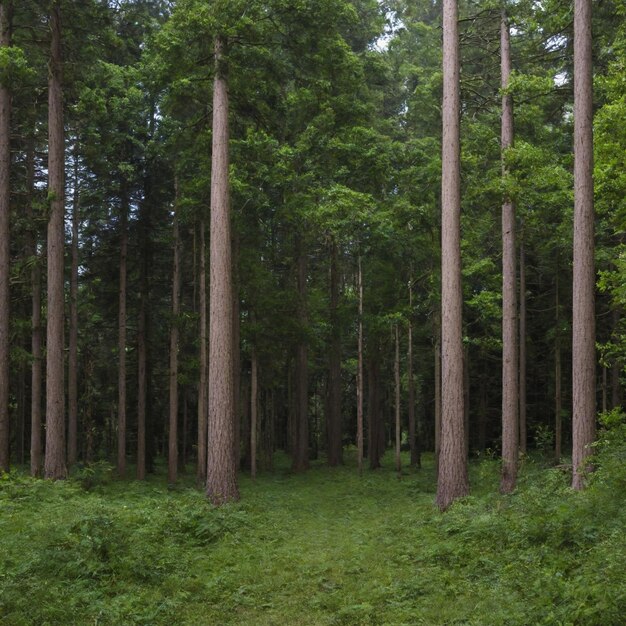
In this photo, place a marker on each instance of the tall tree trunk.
(142, 349)
(583, 326)
(254, 407)
(437, 376)
(522, 348)
(359, 373)
(333, 406)
(452, 480)
(301, 451)
(203, 382)
(466, 398)
(121, 336)
(221, 483)
(236, 353)
(72, 364)
(5, 243)
(510, 362)
(172, 453)
(414, 444)
(55, 388)
(397, 403)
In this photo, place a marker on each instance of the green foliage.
(322, 548)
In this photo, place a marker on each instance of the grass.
(325, 547)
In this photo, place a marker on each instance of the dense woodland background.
(335, 166)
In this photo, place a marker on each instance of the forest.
(311, 312)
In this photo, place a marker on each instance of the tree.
(172, 457)
(221, 483)
(5, 241)
(55, 392)
(452, 481)
(510, 365)
(583, 329)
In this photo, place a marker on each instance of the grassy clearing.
(322, 548)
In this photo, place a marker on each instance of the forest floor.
(325, 547)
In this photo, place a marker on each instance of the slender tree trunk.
(452, 480)
(437, 401)
(142, 391)
(397, 403)
(55, 388)
(5, 244)
(466, 398)
(236, 353)
(558, 430)
(414, 445)
(359, 374)
(522, 350)
(72, 365)
(583, 327)
(301, 451)
(510, 359)
(172, 454)
(203, 382)
(333, 407)
(121, 337)
(221, 483)
(254, 406)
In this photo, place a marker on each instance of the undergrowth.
(326, 547)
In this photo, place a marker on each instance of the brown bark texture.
(72, 362)
(254, 406)
(522, 349)
(333, 403)
(510, 362)
(583, 322)
(236, 352)
(5, 241)
(221, 484)
(204, 362)
(452, 482)
(300, 461)
(414, 444)
(54, 467)
(397, 402)
(359, 373)
(172, 451)
(121, 338)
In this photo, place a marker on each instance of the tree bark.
(452, 480)
(301, 424)
(142, 349)
(359, 373)
(5, 244)
(72, 364)
(221, 485)
(523, 437)
(374, 421)
(121, 336)
(236, 353)
(333, 405)
(55, 389)
(203, 382)
(510, 362)
(397, 403)
(583, 326)
(172, 453)
(254, 406)
(414, 444)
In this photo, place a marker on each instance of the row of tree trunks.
(121, 331)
